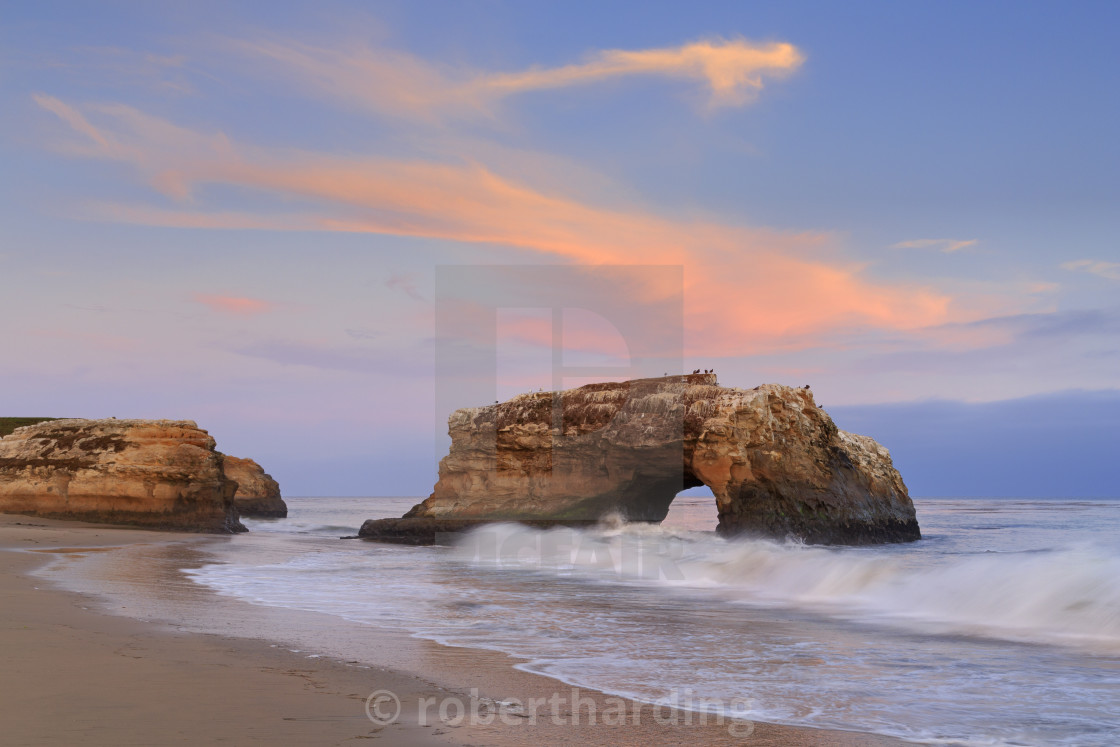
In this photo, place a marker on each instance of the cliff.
(156, 473)
(258, 495)
(776, 463)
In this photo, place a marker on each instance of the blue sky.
(233, 213)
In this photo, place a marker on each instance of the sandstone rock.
(776, 462)
(157, 473)
(258, 495)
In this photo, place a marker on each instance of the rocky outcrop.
(258, 495)
(776, 462)
(156, 473)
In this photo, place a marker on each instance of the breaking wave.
(1067, 596)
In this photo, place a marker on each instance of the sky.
(236, 213)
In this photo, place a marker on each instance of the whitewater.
(1000, 627)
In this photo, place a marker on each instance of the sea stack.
(776, 463)
(258, 495)
(156, 473)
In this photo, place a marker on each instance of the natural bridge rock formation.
(776, 462)
(157, 473)
(258, 495)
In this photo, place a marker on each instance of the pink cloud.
(747, 289)
(234, 304)
(947, 246)
(732, 71)
(1107, 270)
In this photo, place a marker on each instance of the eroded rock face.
(776, 462)
(156, 473)
(258, 495)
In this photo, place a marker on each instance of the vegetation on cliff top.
(7, 425)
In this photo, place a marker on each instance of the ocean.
(1000, 627)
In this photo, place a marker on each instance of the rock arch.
(776, 463)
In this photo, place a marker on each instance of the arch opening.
(652, 499)
(693, 509)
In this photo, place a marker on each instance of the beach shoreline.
(76, 668)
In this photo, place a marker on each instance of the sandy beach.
(74, 671)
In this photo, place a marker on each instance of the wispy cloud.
(942, 245)
(225, 220)
(745, 287)
(409, 361)
(164, 72)
(1023, 353)
(406, 283)
(234, 304)
(361, 333)
(731, 72)
(1107, 270)
(92, 66)
(95, 341)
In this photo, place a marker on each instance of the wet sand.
(76, 671)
